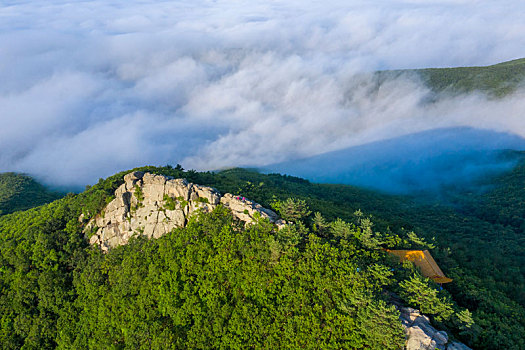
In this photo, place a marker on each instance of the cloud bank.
(93, 87)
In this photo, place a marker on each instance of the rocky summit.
(153, 205)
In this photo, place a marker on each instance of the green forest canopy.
(211, 284)
(214, 283)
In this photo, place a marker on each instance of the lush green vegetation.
(478, 237)
(496, 80)
(21, 192)
(321, 282)
(215, 283)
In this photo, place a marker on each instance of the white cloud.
(93, 87)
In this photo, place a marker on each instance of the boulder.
(457, 346)
(421, 335)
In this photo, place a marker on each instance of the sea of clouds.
(89, 88)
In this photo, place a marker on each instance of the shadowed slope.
(418, 162)
(21, 192)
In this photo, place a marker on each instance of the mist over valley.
(337, 174)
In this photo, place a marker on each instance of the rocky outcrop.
(246, 210)
(421, 335)
(153, 205)
(457, 346)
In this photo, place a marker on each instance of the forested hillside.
(478, 237)
(496, 80)
(214, 280)
(21, 192)
(322, 281)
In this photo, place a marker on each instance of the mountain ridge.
(22, 192)
(54, 253)
(497, 80)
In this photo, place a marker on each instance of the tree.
(418, 241)
(418, 292)
(320, 225)
(342, 229)
(293, 209)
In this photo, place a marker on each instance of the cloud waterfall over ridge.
(93, 87)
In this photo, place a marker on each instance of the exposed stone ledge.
(153, 205)
(421, 335)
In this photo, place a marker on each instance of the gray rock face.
(457, 346)
(153, 205)
(421, 335)
(246, 210)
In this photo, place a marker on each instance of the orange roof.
(424, 261)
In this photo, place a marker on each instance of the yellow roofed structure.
(424, 261)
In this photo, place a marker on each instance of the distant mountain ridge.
(495, 80)
(21, 192)
(423, 160)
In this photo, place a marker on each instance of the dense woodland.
(21, 192)
(324, 281)
(478, 237)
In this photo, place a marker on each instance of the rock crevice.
(153, 205)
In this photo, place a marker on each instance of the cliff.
(153, 205)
